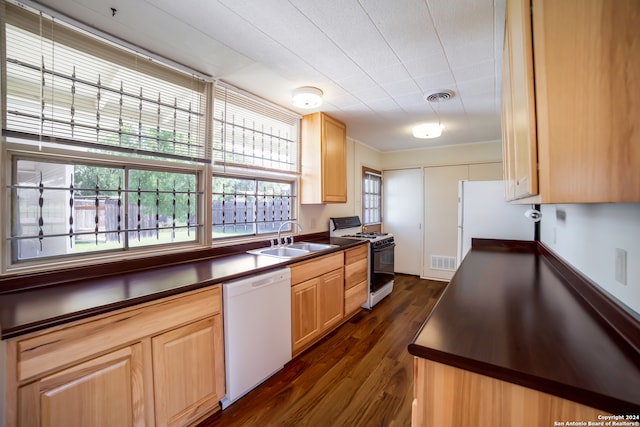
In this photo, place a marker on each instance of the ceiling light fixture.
(433, 130)
(428, 130)
(307, 97)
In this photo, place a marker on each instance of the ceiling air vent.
(440, 96)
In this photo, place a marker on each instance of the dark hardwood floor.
(359, 375)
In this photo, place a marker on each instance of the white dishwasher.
(257, 330)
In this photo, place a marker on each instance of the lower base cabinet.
(331, 298)
(445, 396)
(317, 299)
(305, 324)
(77, 396)
(157, 364)
(184, 381)
(316, 305)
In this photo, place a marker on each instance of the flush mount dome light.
(307, 97)
(428, 130)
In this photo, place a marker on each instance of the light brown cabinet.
(518, 105)
(439, 389)
(356, 267)
(187, 363)
(305, 322)
(317, 299)
(571, 79)
(324, 160)
(160, 363)
(330, 298)
(77, 396)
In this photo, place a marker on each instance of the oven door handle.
(387, 246)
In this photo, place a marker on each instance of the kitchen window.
(371, 197)
(64, 208)
(245, 206)
(111, 151)
(255, 164)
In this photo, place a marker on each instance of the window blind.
(252, 133)
(66, 86)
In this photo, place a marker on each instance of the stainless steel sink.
(281, 252)
(292, 250)
(311, 247)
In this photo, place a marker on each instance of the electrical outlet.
(621, 266)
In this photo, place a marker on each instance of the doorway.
(403, 207)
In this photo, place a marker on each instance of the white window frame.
(371, 197)
(12, 149)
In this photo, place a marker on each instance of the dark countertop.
(28, 310)
(512, 315)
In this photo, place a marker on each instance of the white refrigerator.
(483, 212)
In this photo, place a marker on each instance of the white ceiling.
(375, 60)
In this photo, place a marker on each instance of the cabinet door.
(331, 298)
(508, 150)
(105, 391)
(304, 313)
(188, 370)
(587, 81)
(334, 161)
(522, 148)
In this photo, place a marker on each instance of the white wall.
(587, 238)
(482, 152)
(315, 218)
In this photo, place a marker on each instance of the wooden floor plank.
(359, 375)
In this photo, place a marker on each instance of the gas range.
(375, 238)
(350, 227)
(381, 255)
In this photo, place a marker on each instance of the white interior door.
(402, 210)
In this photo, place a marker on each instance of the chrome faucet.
(278, 242)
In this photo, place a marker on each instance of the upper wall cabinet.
(571, 82)
(324, 160)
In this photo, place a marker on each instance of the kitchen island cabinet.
(488, 401)
(518, 338)
(159, 363)
(569, 111)
(324, 160)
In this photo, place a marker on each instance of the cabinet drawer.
(52, 350)
(356, 254)
(355, 297)
(306, 270)
(355, 273)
